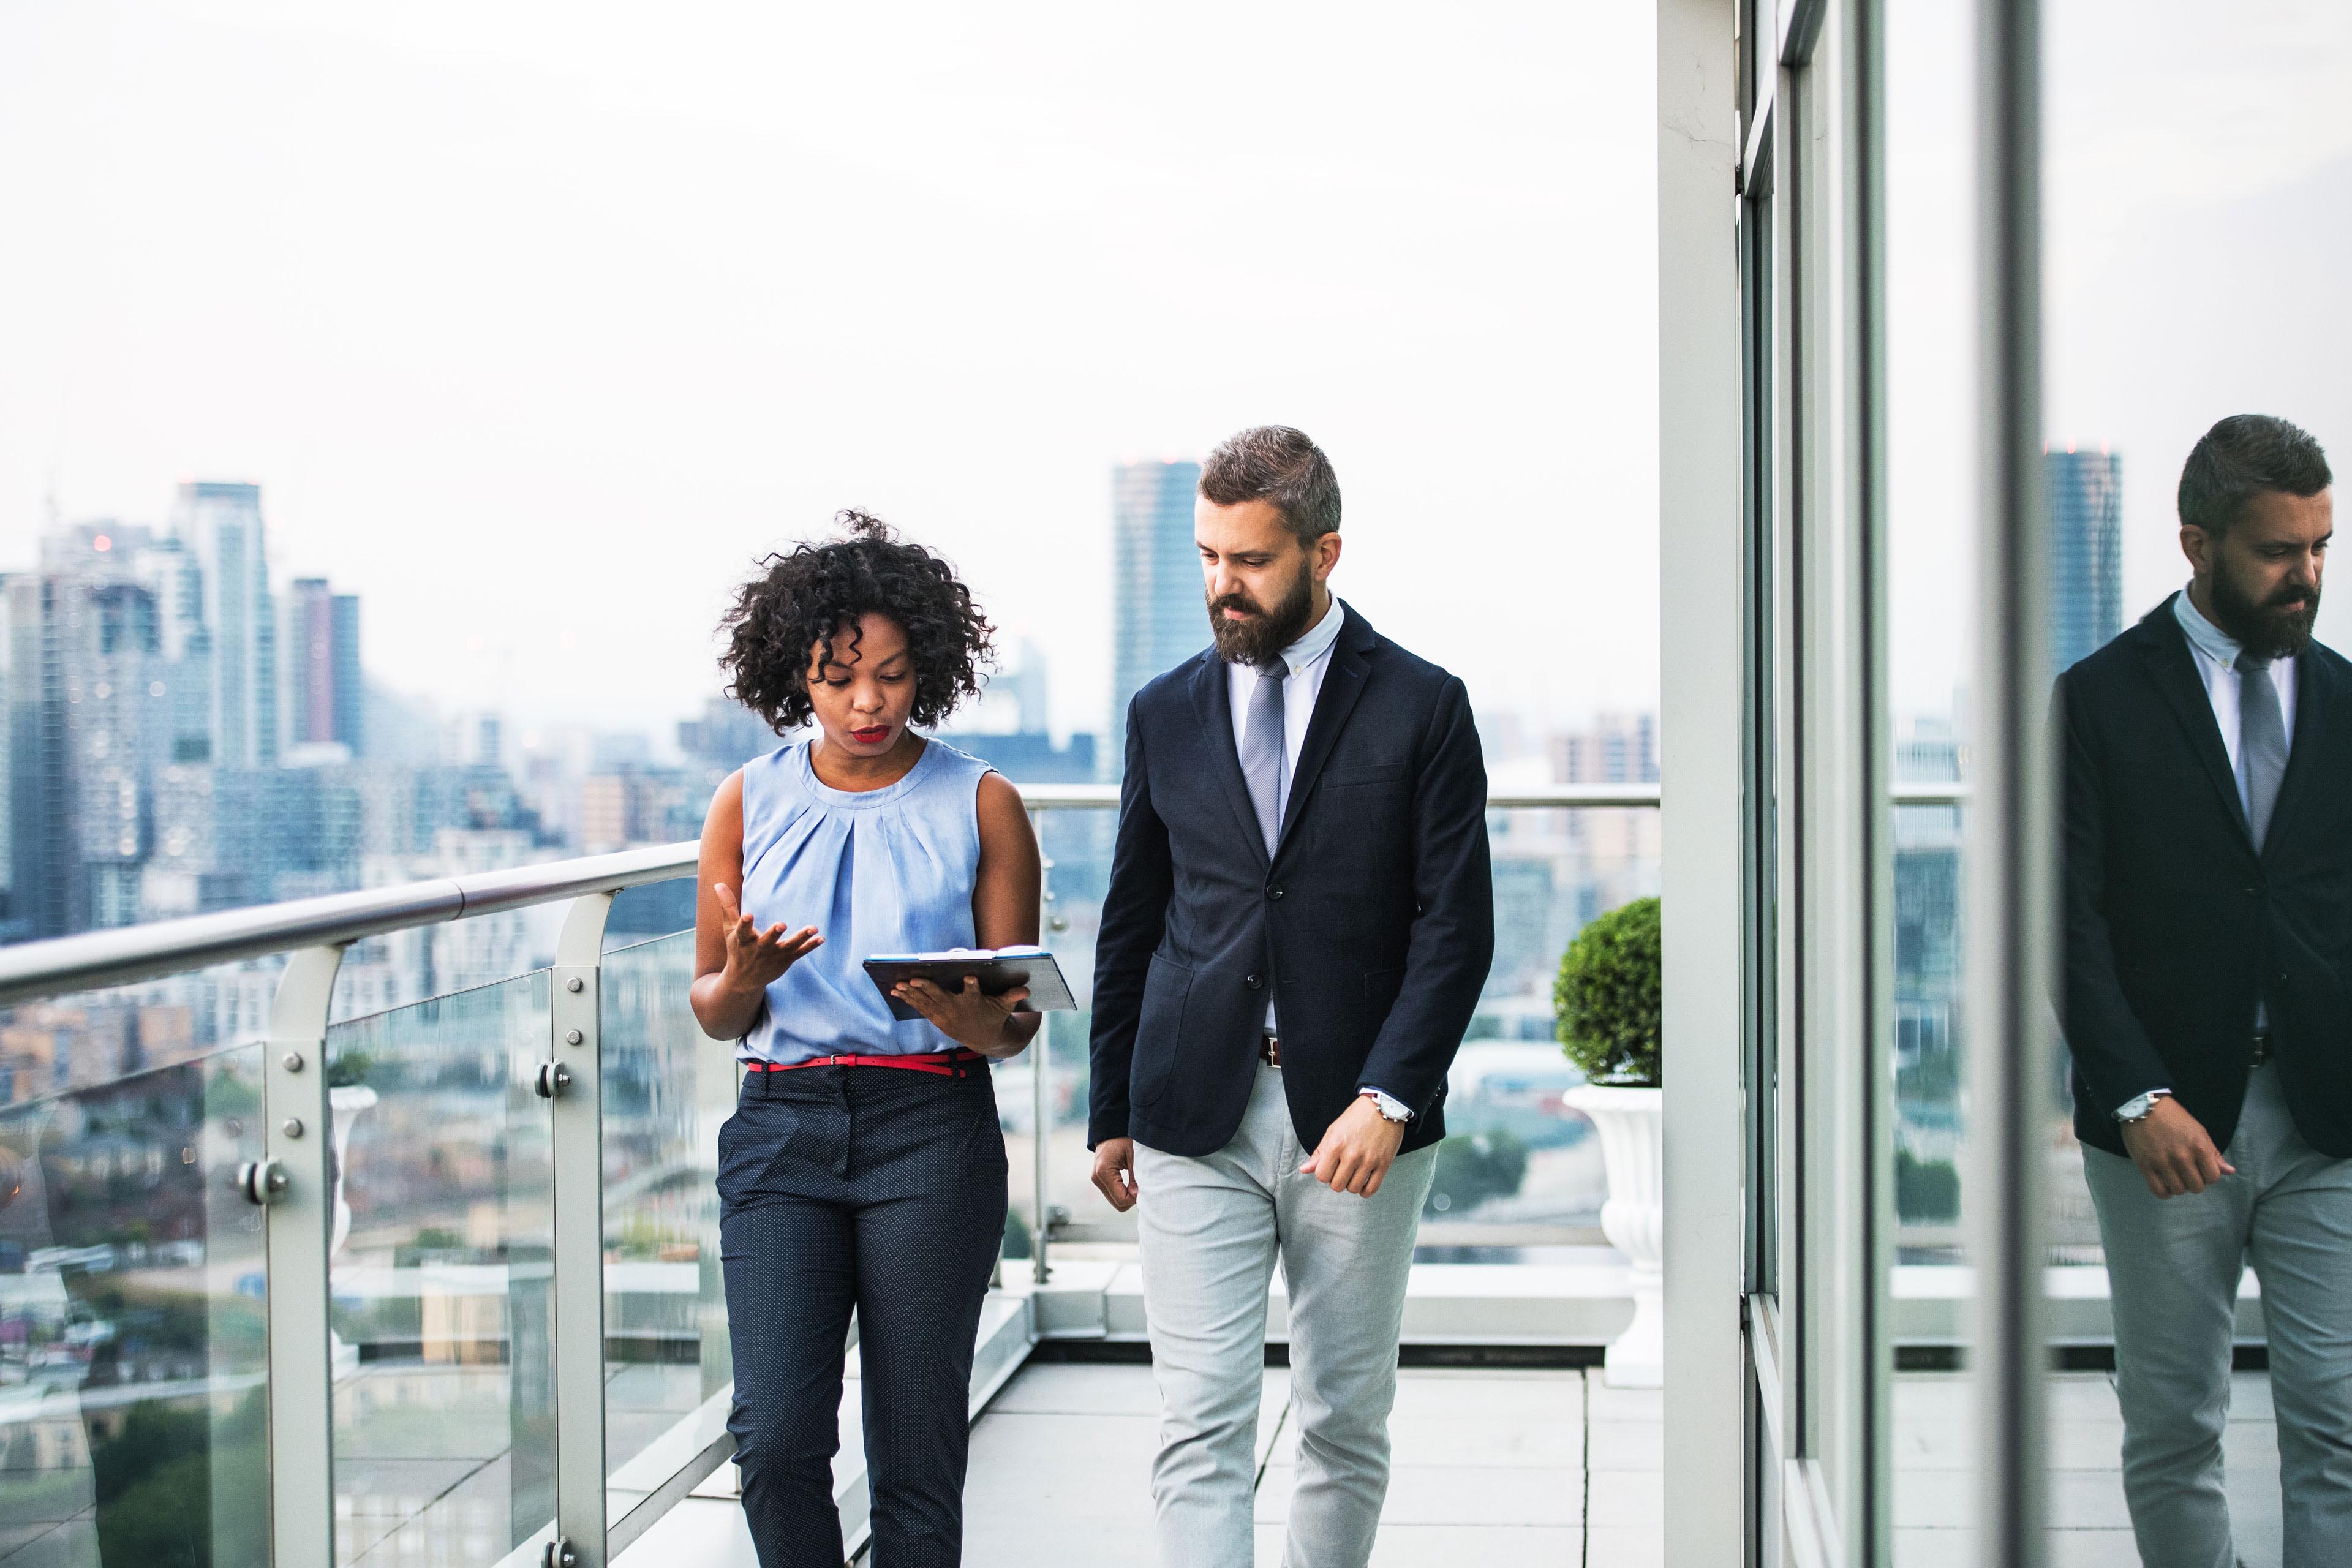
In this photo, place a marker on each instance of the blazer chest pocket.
(1354, 778)
(1159, 1029)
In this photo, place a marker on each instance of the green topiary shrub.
(1925, 1190)
(1606, 999)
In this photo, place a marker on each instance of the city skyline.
(773, 336)
(189, 734)
(951, 278)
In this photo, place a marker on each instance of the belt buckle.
(2262, 1047)
(1269, 1049)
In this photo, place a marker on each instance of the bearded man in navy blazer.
(2208, 843)
(1300, 922)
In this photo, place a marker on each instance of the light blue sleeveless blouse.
(886, 870)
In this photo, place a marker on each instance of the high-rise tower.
(221, 523)
(1159, 618)
(321, 659)
(2085, 491)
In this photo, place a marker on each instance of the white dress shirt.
(2215, 654)
(1306, 659)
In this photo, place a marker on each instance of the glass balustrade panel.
(444, 1403)
(1520, 1178)
(133, 1298)
(666, 1089)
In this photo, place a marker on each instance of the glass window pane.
(1932, 322)
(2197, 164)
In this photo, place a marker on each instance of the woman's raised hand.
(756, 957)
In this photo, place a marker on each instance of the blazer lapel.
(1343, 683)
(2174, 670)
(1213, 702)
(2314, 686)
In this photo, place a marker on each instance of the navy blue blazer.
(2175, 924)
(1372, 924)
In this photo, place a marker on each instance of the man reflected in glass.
(2206, 755)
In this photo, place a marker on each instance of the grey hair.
(2241, 457)
(1277, 464)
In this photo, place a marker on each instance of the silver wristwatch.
(1391, 1108)
(2136, 1109)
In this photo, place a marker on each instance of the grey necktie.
(2261, 742)
(1262, 748)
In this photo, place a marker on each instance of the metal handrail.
(1104, 796)
(126, 954)
(1517, 797)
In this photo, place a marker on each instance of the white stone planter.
(346, 1101)
(1631, 1123)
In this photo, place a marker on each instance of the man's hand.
(1357, 1149)
(2173, 1152)
(1114, 1172)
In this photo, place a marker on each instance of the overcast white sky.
(538, 322)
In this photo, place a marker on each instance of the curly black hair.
(821, 590)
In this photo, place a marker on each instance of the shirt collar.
(2203, 635)
(1318, 641)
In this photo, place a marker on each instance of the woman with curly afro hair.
(864, 1167)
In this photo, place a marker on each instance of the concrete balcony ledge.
(1565, 1306)
(1538, 1306)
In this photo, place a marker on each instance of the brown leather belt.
(1269, 1050)
(2262, 1047)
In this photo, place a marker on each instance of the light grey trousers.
(1211, 1228)
(2173, 1266)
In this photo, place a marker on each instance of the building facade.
(1159, 613)
(2085, 498)
(324, 702)
(221, 523)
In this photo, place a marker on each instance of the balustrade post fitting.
(572, 1076)
(1041, 1061)
(294, 1184)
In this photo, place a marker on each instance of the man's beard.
(1267, 632)
(2277, 627)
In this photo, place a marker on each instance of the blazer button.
(1253, 982)
(1274, 892)
(2253, 889)
(2280, 978)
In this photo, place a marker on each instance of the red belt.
(944, 1064)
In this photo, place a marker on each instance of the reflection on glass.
(2201, 1405)
(1931, 540)
(134, 1337)
(666, 1088)
(2204, 877)
(444, 1410)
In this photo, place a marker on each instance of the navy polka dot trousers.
(881, 1189)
